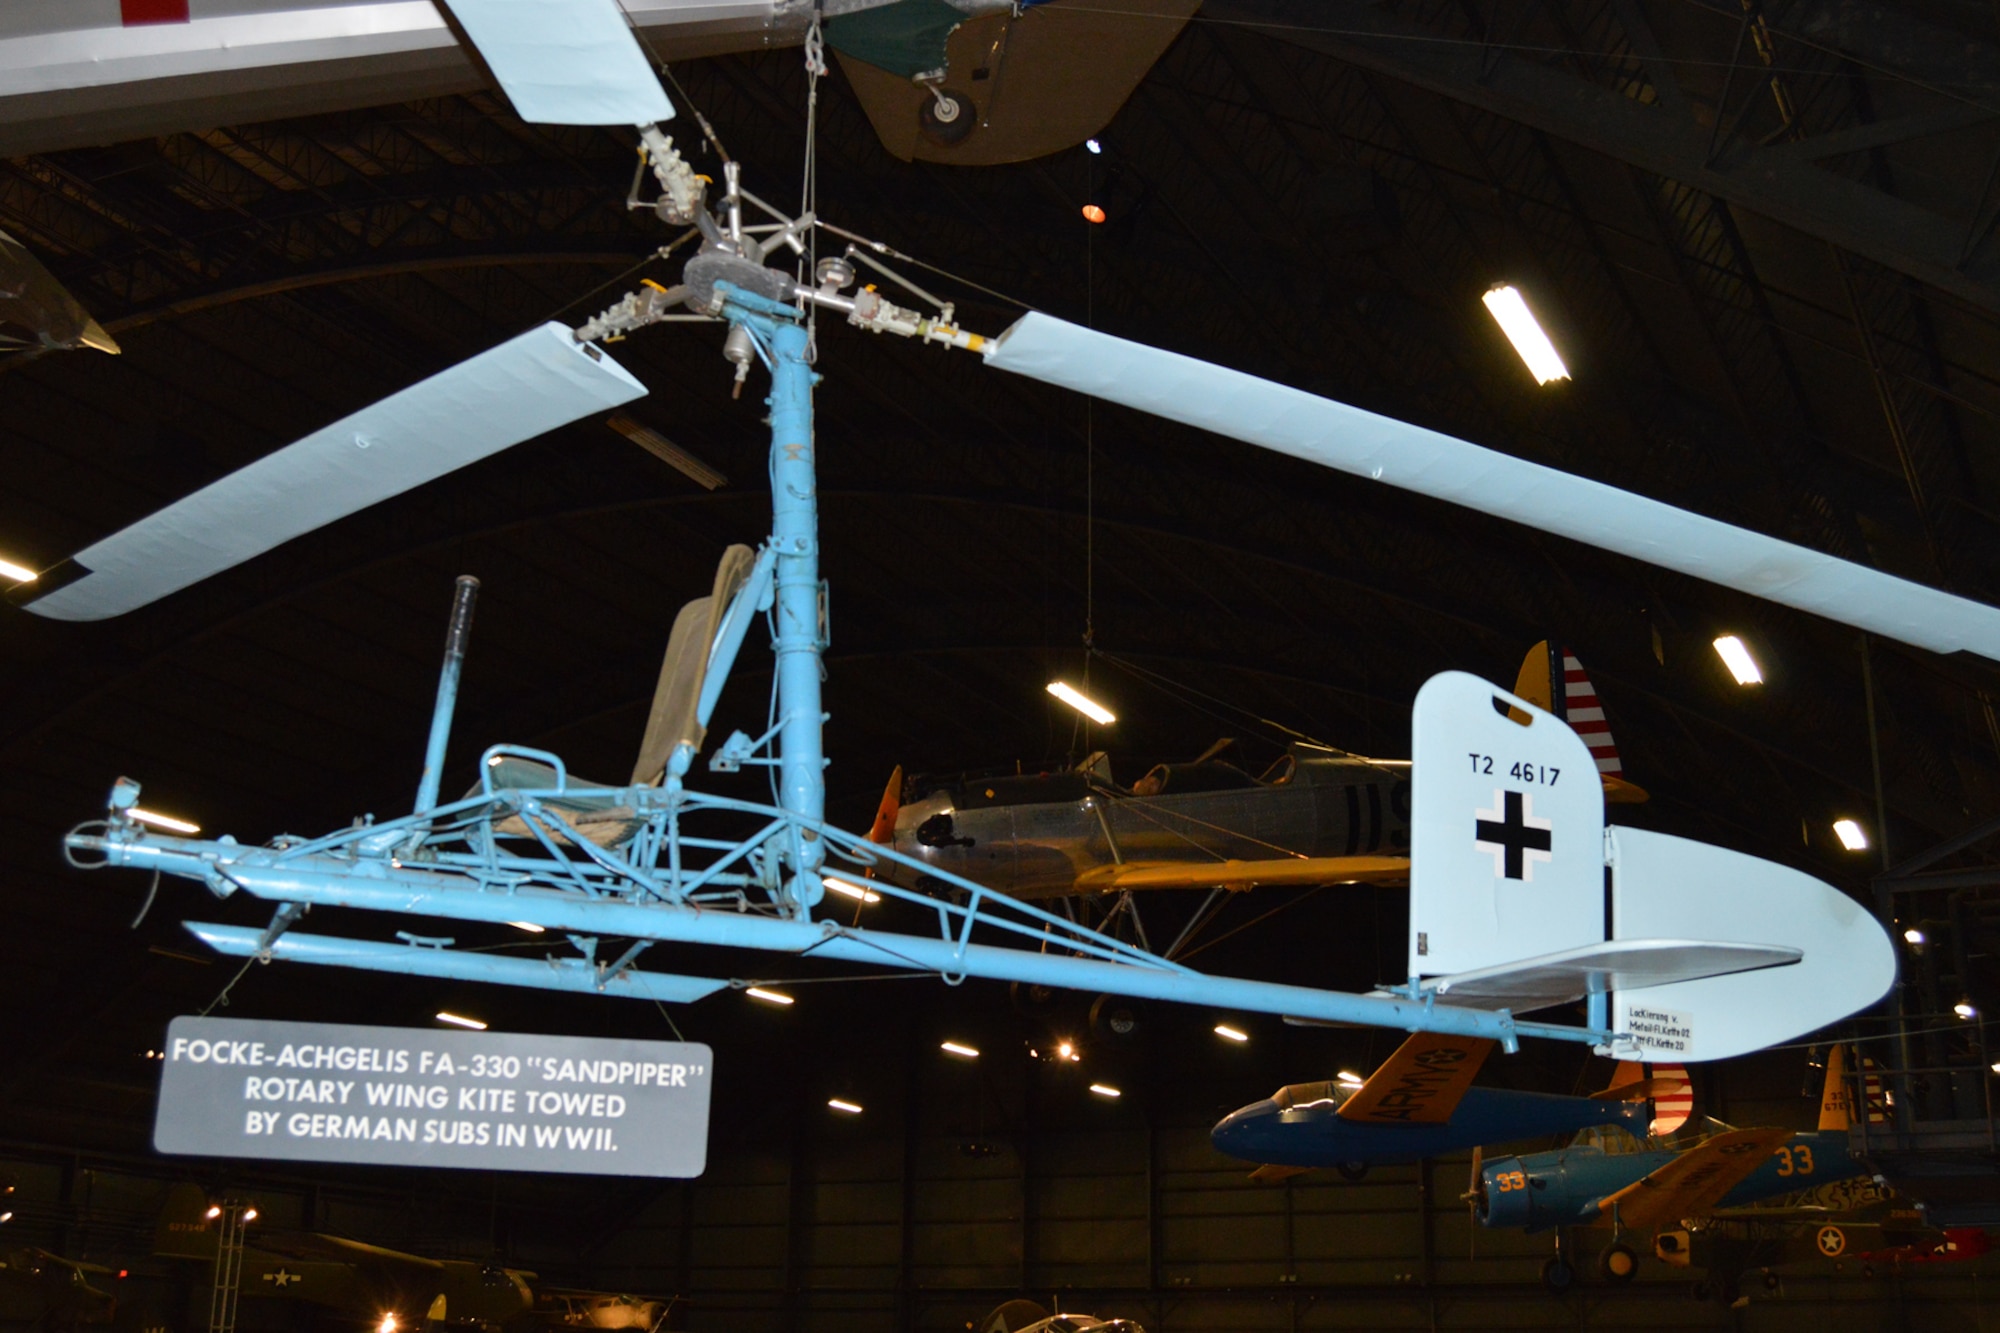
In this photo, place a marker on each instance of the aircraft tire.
(1771, 1280)
(1558, 1276)
(1352, 1172)
(1117, 1017)
(947, 123)
(1618, 1264)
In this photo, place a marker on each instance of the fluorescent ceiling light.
(1850, 835)
(1228, 1033)
(1913, 936)
(1964, 1009)
(768, 996)
(1105, 1090)
(18, 573)
(528, 926)
(1082, 703)
(846, 1108)
(460, 1020)
(249, 1214)
(158, 820)
(1737, 658)
(959, 1049)
(1350, 1078)
(847, 888)
(1511, 313)
(213, 1212)
(1093, 145)
(6, 1217)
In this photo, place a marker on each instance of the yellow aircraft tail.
(184, 1229)
(1836, 1101)
(1576, 703)
(1667, 1086)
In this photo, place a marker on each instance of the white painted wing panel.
(1667, 886)
(1336, 435)
(513, 392)
(565, 62)
(1506, 832)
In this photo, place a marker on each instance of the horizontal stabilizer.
(565, 974)
(1319, 430)
(1676, 887)
(565, 62)
(1614, 965)
(1295, 871)
(526, 386)
(1277, 1175)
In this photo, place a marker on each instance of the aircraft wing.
(312, 1246)
(1290, 870)
(1420, 1084)
(1694, 1182)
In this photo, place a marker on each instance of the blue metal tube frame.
(1107, 965)
(785, 345)
(621, 890)
(575, 975)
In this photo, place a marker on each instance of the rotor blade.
(513, 392)
(565, 62)
(1428, 462)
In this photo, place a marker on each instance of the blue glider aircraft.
(1420, 1103)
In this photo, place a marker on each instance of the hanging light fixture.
(1518, 322)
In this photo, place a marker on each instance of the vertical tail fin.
(1585, 715)
(1872, 1095)
(1835, 1102)
(183, 1230)
(1552, 678)
(1536, 683)
(1671, 1110)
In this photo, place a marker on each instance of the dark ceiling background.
(1284, 196)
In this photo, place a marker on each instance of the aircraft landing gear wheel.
(1352, 1172)
(1618, 1263)
(1771, 1280)
(1117, 1017)
(1558, 1276)
(946, 118)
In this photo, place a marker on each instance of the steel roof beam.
(1780, 183)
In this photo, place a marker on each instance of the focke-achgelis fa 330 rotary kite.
(1703, 953)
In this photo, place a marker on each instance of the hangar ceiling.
(1319, 205)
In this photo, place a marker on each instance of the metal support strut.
(795, 537)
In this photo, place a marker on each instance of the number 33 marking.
(1795, 1160)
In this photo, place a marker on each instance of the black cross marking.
(1513, 835)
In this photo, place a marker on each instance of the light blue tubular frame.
(686, 867)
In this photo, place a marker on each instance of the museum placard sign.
(492, 1101)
